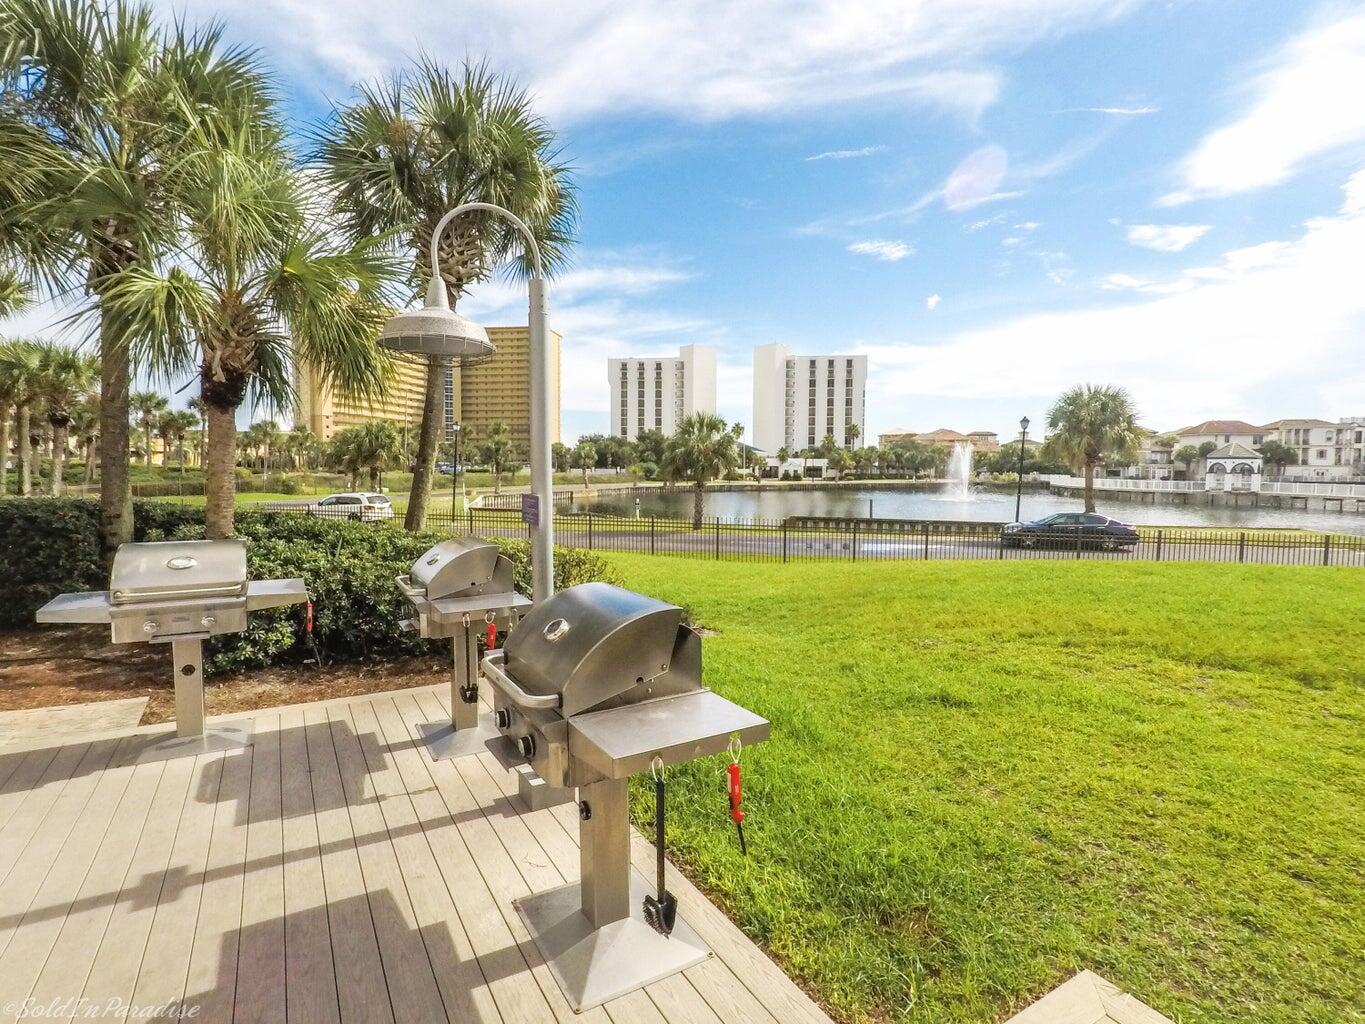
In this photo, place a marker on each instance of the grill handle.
(409, 591)
(493, 663)
(124, 597)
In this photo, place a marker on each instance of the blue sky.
(994, 200)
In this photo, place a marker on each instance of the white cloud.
(931, 303)
(976, 179)
(1264, 320)
(1167, 237)
(1306, 102)
(1118, 111)
(847, 154)
(1011, 242)
(701, 59)
(1028, 225)
(605, 307)
(890, 252)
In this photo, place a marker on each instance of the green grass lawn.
(985, 776)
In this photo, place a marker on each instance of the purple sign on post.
(530, 509)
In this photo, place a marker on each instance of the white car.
(358, 506)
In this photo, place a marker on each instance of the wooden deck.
(332, 873)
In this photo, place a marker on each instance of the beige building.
(500, 389)
(325, 414)
(475, 396)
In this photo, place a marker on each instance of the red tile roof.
(1220, 427)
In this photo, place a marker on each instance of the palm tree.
(840, 462)
(559, 456)
(103, 102)
(148, 406)
(421, 143)
(85, 428)
(1089, 424)
(9, 390)
(301, 443)
(497, 451)
(268, 291)
(173, 426)
(584, 457)
(19, 374)
(379, 444)
(65, 379)
(701, 449)
(197, 406)
(14, 292)
(851, 434)
(260, 438)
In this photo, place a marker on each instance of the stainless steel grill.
(181, 593)
(454, 587)
(594, 685)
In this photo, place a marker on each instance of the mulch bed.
(77, 664)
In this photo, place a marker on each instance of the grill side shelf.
(91, 607)
(623, 741)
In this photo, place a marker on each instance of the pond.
(982, 505)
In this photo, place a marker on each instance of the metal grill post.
(604, 853)
(188, 656)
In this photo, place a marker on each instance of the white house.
(1233, 467)
(1221, 432)
(1325, 450)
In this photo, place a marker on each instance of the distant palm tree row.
(148, 174)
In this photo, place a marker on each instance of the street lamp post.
(454, 474)
(437, 330)
(1019, 489)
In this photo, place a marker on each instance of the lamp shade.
(437, 331)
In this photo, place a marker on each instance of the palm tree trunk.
(425, 461)
(25, 451)
(89, 450)
(698, 504)
(1090, 487)
(147, 442)
(497, 478)
(58, 458)
(4, 451)
(219, 465)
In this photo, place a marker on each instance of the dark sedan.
(1089, 529)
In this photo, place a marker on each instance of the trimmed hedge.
(51, 545)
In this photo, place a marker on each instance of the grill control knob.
(527, 746)
(207, 621)
(503, 717)
(150, 626)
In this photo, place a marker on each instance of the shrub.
(47, 546)
(51, 545)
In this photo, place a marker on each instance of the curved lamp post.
(437, 330)
(1019, 489)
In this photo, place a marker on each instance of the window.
(1322, 453)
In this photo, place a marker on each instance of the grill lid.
(590, 643)
(454, 565)
(178, 569)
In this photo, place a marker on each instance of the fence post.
(926, 542)
(855, 540)
(589, 531)
(718, 538)
(1078, 542)
(784, 541)
(1326, 549)
(1158, 545)
(469, 516)
(651, 535)
(1242, 546)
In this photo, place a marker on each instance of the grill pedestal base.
(444, 741)
(593, 966)
(214, 739)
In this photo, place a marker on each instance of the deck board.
(330, 874)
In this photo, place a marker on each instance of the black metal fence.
(796, 539)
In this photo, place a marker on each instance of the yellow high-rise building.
(475, 396)
(500, 389)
